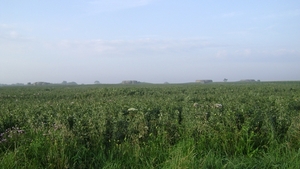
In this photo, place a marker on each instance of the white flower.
(218, 105)
(132, 109)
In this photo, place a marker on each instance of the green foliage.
(231, 125)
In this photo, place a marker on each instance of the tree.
(225, 80)
(96, 82)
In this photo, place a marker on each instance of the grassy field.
(218, 125)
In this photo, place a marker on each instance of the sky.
(152, 41)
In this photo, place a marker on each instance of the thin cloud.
(280, 52)
(137, 47)
(230, 14)
(222, 54)
(243, 52)
(12, 32)
(285, 14)
(239, 33)
(5, 26)
(4, 30)
(256, 55)
(99, 6)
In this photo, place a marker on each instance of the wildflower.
(196, 105)
(218, 105)
(20, 131)
(132, 109)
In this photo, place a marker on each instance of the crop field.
(217, 125)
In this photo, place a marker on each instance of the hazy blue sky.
(148, 40)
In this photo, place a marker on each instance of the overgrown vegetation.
(232, 125)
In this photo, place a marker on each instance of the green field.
(217, 125)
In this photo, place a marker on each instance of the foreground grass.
(151, 126)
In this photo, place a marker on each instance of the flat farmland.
(216, 125)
